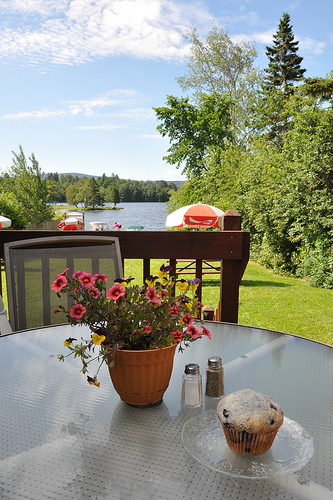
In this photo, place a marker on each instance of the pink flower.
(187, 319)
(86, 279)
(102, 278)
(206, 332)
(194, 332)
(77, 311)
(164, 293)
(77, 273)
(151, 295)
(94, 292)
(147, 329)
(59, 283)
(115, 291)
(177, 336)
(173, 311)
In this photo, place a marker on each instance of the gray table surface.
(62, 438)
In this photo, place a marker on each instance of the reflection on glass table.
(62, 438)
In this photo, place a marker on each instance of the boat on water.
(134, 228)
(74, 221)
(98, 226)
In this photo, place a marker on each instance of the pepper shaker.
(214, 378)
(191, 386)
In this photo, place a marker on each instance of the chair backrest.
(32, 265)
(4, 323)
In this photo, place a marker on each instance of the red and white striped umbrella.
(198, 215)
(5, 222)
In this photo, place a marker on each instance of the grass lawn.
(270, 301)
(266, 300)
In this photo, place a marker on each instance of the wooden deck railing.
(229, 246)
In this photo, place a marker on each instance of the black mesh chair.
(32, 265)
(4, 323)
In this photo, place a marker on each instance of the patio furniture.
(62, 438)
(4, 323)
(32, 265)
(187, 266)
(231, 245)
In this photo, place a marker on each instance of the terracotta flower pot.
(142, 377)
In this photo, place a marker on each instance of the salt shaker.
(214, 378)
(191, 386)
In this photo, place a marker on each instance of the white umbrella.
(197, 215)
(4, 222)
(70, 223)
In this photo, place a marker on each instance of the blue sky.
(79, 78)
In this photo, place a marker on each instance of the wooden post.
(146, 269)
(230, 274)
(208, 313)
(198, 274)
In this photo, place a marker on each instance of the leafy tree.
(71, 195)
(287, 197)
(284, 69)
(11, 208)
(25, 182)
(114, 196)
(219, 65)
(319, 88)
(196, 132)
(284, 66)
(55, 193)
(92, 193)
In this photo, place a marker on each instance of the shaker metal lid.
(214, 362)
(192, 369)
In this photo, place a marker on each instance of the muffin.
(250, 421)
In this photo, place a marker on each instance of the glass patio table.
(62, 438)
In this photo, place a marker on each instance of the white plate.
(204, 439)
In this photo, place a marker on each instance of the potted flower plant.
(131, 325)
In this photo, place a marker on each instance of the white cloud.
(33, 6)
(175, 175)
(76, 31)
(106, 126)
(152, 136)
(311, 45)
(266, 38)
(117, 108)
(35, 115)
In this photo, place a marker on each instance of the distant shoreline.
(76, 209)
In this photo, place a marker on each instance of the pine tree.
(284, 66)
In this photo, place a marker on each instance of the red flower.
(187, 319)
(206, 332)
(194, 332)
(102, 278)
(77, 273)
(173, 311)
(177, 336)
(86, 279)
(94, 292)
(151, 295)
(77, 311)
(115, 291)
(59, 283)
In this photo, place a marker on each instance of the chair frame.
(62, 242)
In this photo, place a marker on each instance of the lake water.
(151, 216)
